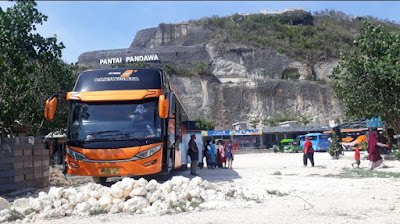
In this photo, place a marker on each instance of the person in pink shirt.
(222, 154)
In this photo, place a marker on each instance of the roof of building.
(361, 123)
(295, 129)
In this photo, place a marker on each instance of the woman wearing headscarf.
(373, 151)
(211, 155)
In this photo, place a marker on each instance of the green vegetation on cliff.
(307, 37)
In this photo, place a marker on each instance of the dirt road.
(330, 192)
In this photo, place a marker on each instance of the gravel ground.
(330, 192)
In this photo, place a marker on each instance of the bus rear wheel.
(100, 180)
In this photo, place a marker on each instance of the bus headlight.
(148, 152)
(75, 155)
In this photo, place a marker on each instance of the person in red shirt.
(308, 152)
(356, 156)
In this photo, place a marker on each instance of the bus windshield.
(114, 121)
(312, 137)
(324, 137)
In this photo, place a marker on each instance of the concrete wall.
(24, 163)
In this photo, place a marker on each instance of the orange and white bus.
(352, 136)
(122, 122)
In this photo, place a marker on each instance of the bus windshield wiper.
(91, 137)
(94, 134)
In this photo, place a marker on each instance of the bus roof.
(353, 130)
(315, 134)
(130, 78)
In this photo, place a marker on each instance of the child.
(356, 149)
(229, 155)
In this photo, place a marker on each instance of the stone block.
(18, 165)
(29, 176)
(27, 152)
(7, 187)
(37, 164)
(7, 173)
(21, 184)
(9, 180)
(28, 164)
(22, 171)
(6, 166)
(45, 151)
(39, 169)
(27, 158)
(37, 151)
(37, 158)
(19, 178)
(46, 174)
(38, 175)
(8, 159)
(6, 180)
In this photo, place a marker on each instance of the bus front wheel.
(100, 180)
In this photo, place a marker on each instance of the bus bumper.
(150, 165)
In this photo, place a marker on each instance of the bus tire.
(100, 180)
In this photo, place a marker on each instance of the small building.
(55, 142)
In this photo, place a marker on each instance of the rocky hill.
(227, 74)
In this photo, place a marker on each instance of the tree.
(367, 79)
(254, 122)
(30, 68)
(203, 124)
(305, 118)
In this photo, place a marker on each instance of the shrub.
(98, 211)
(15, 215)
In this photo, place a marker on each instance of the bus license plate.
(109, 171)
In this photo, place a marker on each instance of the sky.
(85, 26)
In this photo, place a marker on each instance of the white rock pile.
(179, 194)
(57, 178)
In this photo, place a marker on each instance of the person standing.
(308, 152)
(373, 151)
(222, 155)
(229, 155)
(193, 153)
(217, 154)
(211, 155)
(356, 155)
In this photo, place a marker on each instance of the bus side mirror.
(163, 106)
(50, 108)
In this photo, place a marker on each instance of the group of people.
(373, 151)
(218, 154)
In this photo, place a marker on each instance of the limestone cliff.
(205, 96)
(246, 83)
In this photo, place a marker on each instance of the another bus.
(302, 140)
(122, 122)
(320, 142)
(352, 137)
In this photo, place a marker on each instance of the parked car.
(289, 145)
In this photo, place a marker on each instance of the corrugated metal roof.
(295, 129)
